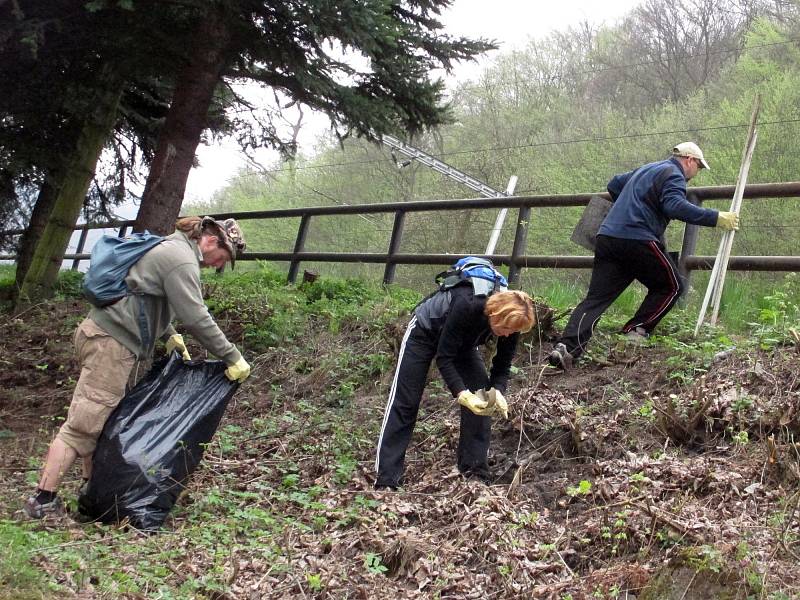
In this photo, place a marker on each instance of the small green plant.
(740, 438)
(378, 363)
(647, 410)
(584, 488)
(290, 481)
(314, 581)
(527, 519)
(616, 533)
(707, 558)
(345, 467)
(743, 402)
(547, 549)
(373, 564)
(779, 311)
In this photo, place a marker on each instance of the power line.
(540, 145)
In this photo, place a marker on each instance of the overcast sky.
(510, 22)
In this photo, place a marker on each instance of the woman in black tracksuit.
(450, 325)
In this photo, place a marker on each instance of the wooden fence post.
(394, 246)
(520, 242)
(688, 247)
(79, 249)
(299, 244)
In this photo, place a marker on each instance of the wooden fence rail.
(516, 261)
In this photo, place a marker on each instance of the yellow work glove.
(175, 342)
(729, 221)
(496, 399)
(238, 371)
(475, 403)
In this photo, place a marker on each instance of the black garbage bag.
(154, 440)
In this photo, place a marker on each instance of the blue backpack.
(111, 259)
(480, 272)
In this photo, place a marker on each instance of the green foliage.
(345, 468)
(706, 558)
(778, 313)
(517, 121)
(68, 285)
(18, 577)
(314, 582)
(373, 564)
(584, 488)
(272, 312)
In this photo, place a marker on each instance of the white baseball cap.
(690, 149)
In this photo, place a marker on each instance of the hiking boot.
(560, 358)
(636, 336)
(34, 509)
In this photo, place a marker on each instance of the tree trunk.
(45, 201)
(185, 122)
(62, 197)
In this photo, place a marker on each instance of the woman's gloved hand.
(496, 399)
(238, 371)
(175, 342)
(476, 403)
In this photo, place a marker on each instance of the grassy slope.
(603, 477)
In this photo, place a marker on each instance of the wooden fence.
(516, 261)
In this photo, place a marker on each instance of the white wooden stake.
(717, 280)
(709, 290)
(727, 237)
(501, 217)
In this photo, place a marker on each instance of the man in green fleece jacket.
(163, 284)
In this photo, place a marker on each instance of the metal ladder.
(442, 167)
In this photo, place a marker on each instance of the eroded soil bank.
(650, 473)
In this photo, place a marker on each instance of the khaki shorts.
(105, 368)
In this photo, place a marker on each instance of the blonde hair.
(511, 310)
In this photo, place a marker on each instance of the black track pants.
(416, 354)
(617, 262)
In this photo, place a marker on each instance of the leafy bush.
(68, 285)
(778, 313)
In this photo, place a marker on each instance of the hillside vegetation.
(669, 472)
(564, 114)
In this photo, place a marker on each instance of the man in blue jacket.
(629, 246)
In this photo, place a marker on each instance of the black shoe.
(385, 488)
(560, 358)
(81, 518)
(484, 475)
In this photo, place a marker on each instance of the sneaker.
(33, 509)
(560, 358)
(636, 336)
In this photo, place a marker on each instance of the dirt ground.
(626, 478)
